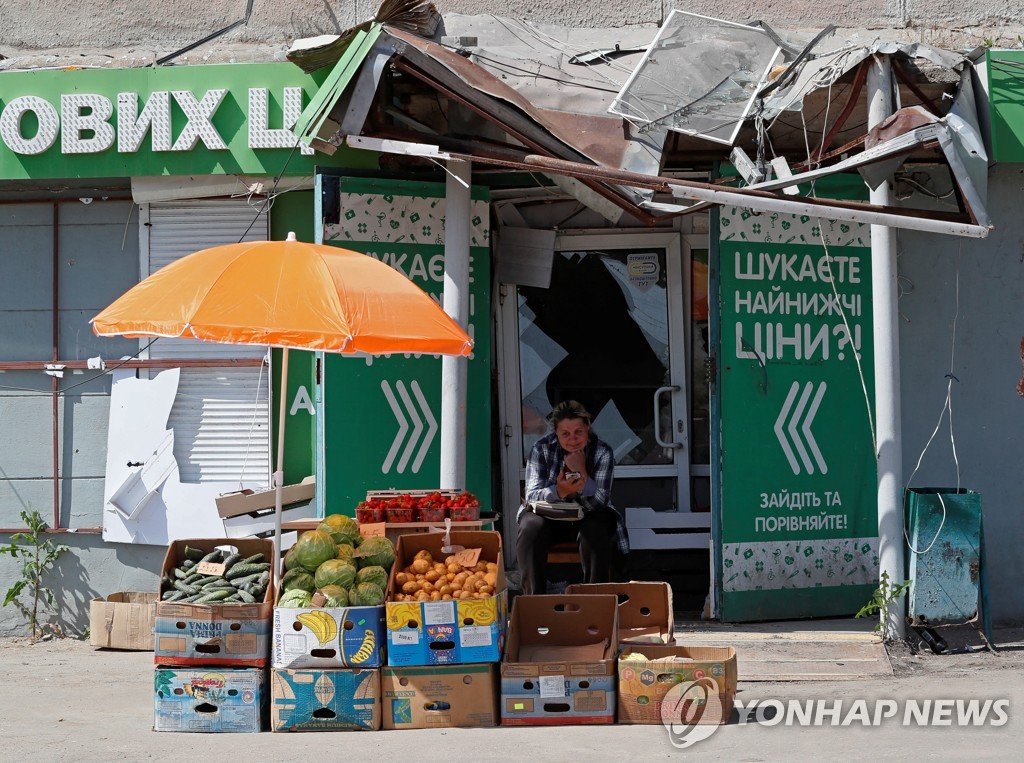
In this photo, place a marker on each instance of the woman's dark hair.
(568, 409)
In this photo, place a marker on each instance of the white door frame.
(677, 257)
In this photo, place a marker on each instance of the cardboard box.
(210, 699)
(447, 632)
(325, 700)
(247, 501)
(328, 637)
(123, 620)
(705, 677)
(645, 610)
(559, 666)
(214, 634)
(440, 696)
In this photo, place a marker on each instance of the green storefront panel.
(799, 519)
(1006, 103)
(382, 416)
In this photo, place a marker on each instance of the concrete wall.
(988, 414)
(153, 27)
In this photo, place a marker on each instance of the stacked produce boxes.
(212, 635)
(446, 618)
(328, 632)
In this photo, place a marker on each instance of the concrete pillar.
(885, 300)
(454, 386)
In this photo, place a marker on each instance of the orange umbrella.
(286, 294)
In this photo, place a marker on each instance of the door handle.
(657, 417)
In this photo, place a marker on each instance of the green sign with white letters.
(798, 507)
(382, 416)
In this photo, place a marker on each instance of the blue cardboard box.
(211, 699)
(447, 632)
(328, 637)
(325, 700)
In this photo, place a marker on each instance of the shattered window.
(699, 76)
(598, 334)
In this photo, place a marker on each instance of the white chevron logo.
(401, 405)
(807, 412)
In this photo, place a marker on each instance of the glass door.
(608, 331)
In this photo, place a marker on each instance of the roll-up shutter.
(220, 416)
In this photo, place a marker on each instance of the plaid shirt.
(546, 462)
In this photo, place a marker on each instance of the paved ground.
(65, 701)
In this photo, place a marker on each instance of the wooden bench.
(564, 553)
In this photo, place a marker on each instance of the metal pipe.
(458, 211)
(885, 304)
(69, 530)
(77, 365)
(55, 383)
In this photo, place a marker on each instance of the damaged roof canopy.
(603, 112)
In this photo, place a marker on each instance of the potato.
(446, 597)
(420, 566)
(401, 578)
(492, 567)
(464, 594)
(435, 596)
(445, 589)
(449, 576)
(424, 555)
(453, 566)
(480, 567)
(421, 596)
(440, 568)
(460, 578)
(411, 586)
(486, 590)
(432, 576)
(491, 578)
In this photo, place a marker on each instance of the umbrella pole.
(279, 472)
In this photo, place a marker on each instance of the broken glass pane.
(699, 76)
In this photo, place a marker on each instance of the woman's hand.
(569, 486)
(576, 461)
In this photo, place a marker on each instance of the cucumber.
(213, 596)
(203, 582)
(214, 556)
(231, 561)
(193, 554)
(180, 574)
(188, 564)
(247, 580)
(192, 579)
(254, 559)
(248, 598)
(191, 590)
(172, 595)
(241, 570)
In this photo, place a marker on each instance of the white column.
(885, 299)
(456, 304)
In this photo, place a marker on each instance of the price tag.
(373, 529)
(405, 637)
(552, 686)
(468, 557)
(318, 600)
(210, 568)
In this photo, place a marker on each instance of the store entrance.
(619, 329)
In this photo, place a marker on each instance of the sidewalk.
(66, 701)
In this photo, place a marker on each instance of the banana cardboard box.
(428, 629)
(696, 684)
(325, 700)
(328, 637)
(213, 699)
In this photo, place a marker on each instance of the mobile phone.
(573, 475)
